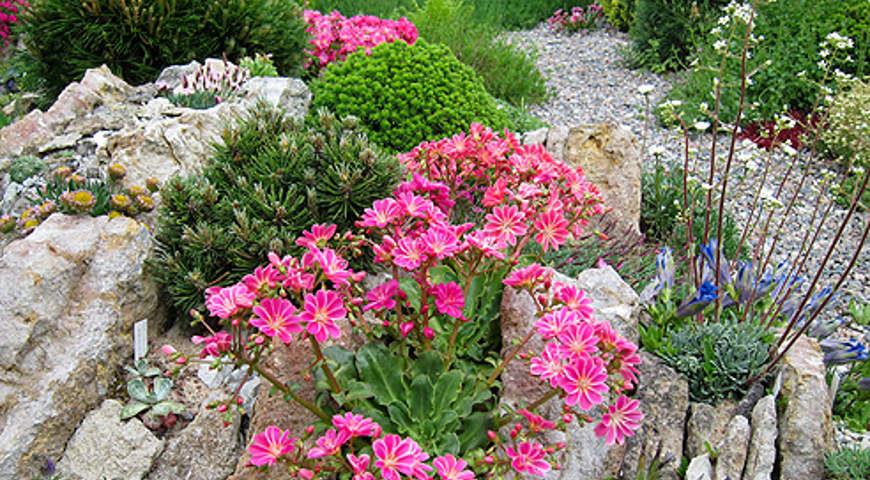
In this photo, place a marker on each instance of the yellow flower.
(120, 201)
(116, 171)
(79, 200)
(145, 203)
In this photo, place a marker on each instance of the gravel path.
(591, 83)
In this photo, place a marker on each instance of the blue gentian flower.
(706, 294)
(838, 352)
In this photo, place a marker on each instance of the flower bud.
(222, 408)
(168, 350)
(116, 171)
(428, 333)
(181, 360)
(309, 429)
(488, 460)
(62, 172)
(305, 474)
(567, 418)
(152, 184)
(492, 436)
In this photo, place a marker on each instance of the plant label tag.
(140, 339)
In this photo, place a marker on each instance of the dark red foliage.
(762, 133)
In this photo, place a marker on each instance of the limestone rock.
(164, 147)
(762, 446)
(171, 76)
(664, 399)
(98, 87)
(610, 158)
(290, 94)
(700, 468)
(535, 137)
(614, 300)
(204, 450)
(805, 427)
(556, 138)
(79, 286)
(104, 447)
(732, 449)
(707, 424)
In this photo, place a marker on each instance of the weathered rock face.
(587, 456)
(204, 450)
(289, 94)
(700, 468)
(762, 446)
(732, 449)
(664, 398)
(707, 424)
(104, 447)
(77, 287)
(805, 428)
(609, 156)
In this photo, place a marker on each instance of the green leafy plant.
(852, 403)
(272, 178)
(25, 167)
(784, 62)
(260, 65)
(404, 94)
(416, 398)
(848, 464)
(520, 119)
(716, 358)
(663, 216)
(138, 38)
(620, 13)
(194, 100)
(149, 397)
(508, 73)
(665, 33)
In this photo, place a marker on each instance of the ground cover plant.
(137, 39)
(404, 94)
(379, 420)
(271, 179)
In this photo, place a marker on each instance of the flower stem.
(287, 391)
(333, 383)
(492, 378)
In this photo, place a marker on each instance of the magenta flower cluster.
(334, 37)
(516, 194)
(9, 10)
(578, 19)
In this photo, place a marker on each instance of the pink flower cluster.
(584, 358)
(334, 37)
(394, 456)
(578, 19)
(9, 10)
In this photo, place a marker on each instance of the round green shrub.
(620, 13)
(138, 38)
(25, 167)
(271, 179)
(407, 94)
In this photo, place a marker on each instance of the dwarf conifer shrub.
(137, 38)
(405, 94)
(271, 179)
(620, 13)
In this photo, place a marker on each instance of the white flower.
(657, 150)
(838, 41)
(701, 126)
(645, 89)
(788, 149)
(720, 46)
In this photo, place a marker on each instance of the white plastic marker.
(140, 339)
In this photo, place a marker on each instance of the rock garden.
(441, 239)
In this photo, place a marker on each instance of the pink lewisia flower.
(548, 365)
(552, 324)
(505, 224)
(408, 254)
(490, 246)
(382, 213)
(621, 420)
(584, 382)
(276, 316)
(334, 267)
(575, 299)
(360, 465)
(528, 458)
(322, 310)
(396, 455)
(441, 242)
(552, 229)
(329, 444)
(381, 297)
(578, 341)
(215, 344)
(356, 425)
(268, 446)
(537, 423)
(263, 278)
(528, 277)
(451, 468)
(226, 302)
(405, 328)
(317, 236)
(449, 299)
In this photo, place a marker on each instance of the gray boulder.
(762, 445)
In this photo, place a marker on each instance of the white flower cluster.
(839, 42)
